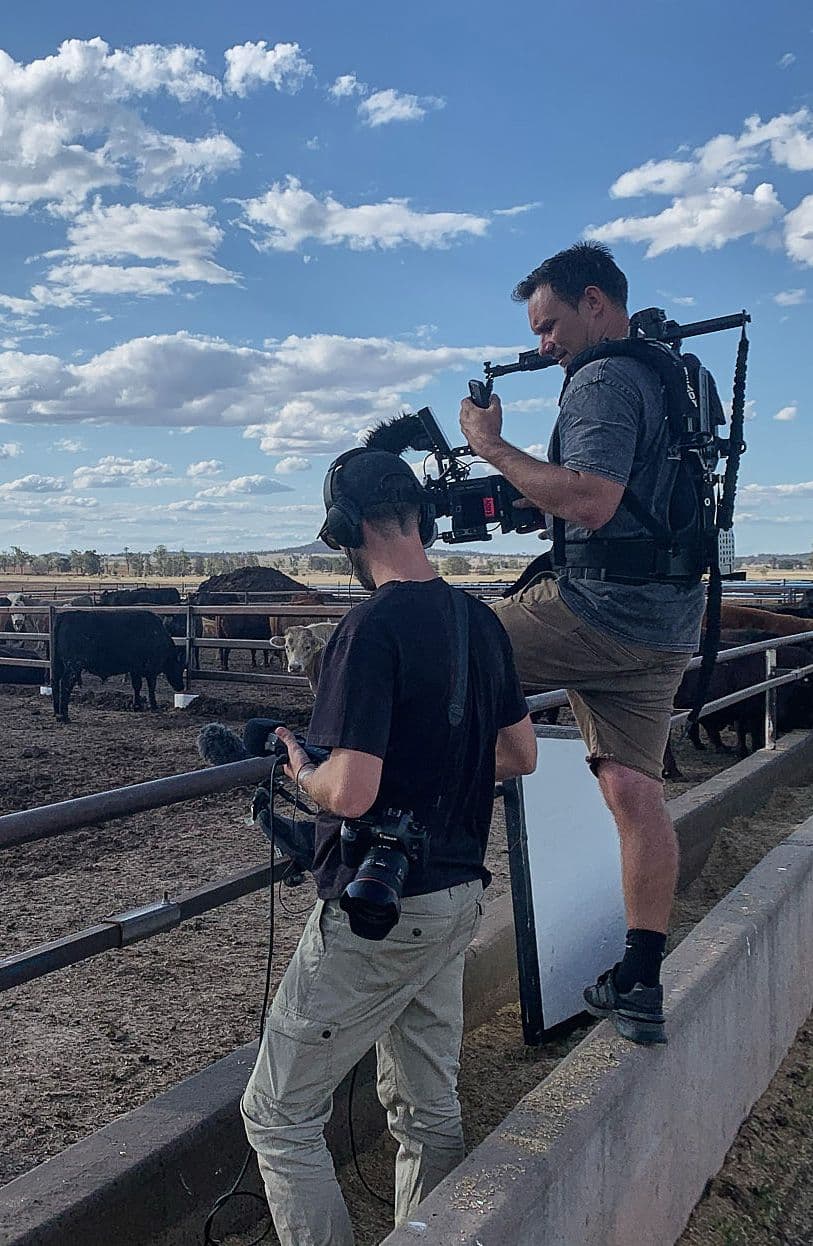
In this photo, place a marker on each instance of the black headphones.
(342, 526)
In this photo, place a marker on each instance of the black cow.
(132, 642)
(174, 623)
(20, 674)
(794, 702)
(234, 626)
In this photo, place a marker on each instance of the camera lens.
(372, 900)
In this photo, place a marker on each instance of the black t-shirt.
(384, 689)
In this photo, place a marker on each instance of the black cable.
(287, 908)
(374, 1194)
(736, 445)
(234, 1191)
(725, 518)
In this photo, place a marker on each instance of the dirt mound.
(251, 580)
(238, 710)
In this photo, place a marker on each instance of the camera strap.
(460, 656)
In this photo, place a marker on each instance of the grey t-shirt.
(612, 423)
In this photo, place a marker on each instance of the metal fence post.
(50, 653)
(190, 629)
(770, 700)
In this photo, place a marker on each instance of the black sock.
(642, 960)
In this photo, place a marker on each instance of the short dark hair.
(392, 517)
(568, 273)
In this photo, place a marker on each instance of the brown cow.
(262, 627)
(763, 620)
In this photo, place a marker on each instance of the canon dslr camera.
(380, 848)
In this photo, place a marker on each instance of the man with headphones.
(390, 671)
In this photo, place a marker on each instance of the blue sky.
(237, 235)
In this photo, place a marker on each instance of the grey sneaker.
(636, 1014)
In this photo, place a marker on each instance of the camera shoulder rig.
(696, 536)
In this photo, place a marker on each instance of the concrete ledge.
(152, 1174)
(616, 1146)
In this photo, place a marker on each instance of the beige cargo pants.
(339, 995)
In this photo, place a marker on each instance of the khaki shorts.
(621, 694)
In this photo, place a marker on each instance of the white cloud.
(518, 210)
(244, 484)
(710, 206)
(531, 404)
(790, 298)
(750, 408)
(255, 64)
(750, 517)
(383, 107)
(755, 493)
(195, 506)
(114, 472)
(300, 395)
(69, 445)
(68, 132)
(685, 300)
(537, 450)
(10, 450)
(726, 159)
(205, 467)
(293, 463)
(786, 414)
(707, 220)
(799, 231)
(345, 86)
(787, 60)
(187, 237)
(286, 215)
(34, 484)
(165, 160)
(655, 177)
(74, 502)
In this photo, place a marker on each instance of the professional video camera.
(478, 505)
(380, 849)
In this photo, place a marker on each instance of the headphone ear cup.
(343, 522)
(426, 523)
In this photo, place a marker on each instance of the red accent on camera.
(489, 508)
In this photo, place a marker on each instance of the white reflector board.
(573, 882)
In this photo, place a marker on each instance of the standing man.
(393, 670)
(617, 625)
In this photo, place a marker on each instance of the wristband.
(309, 766)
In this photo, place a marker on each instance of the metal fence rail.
(47, 821)
(190, 642)
(121, 929)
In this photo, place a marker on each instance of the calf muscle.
(649, 847)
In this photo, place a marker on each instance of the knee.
(628, 792)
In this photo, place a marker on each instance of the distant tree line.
(175, 564)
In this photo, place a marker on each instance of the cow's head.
(175, 668)
(17, 615)
(301, 648)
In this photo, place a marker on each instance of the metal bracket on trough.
(145, 921)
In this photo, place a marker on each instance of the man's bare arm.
(516, 750)
(346, 784)
(580, 497)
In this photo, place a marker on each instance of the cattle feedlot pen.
(155, 918)
(189, 642)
